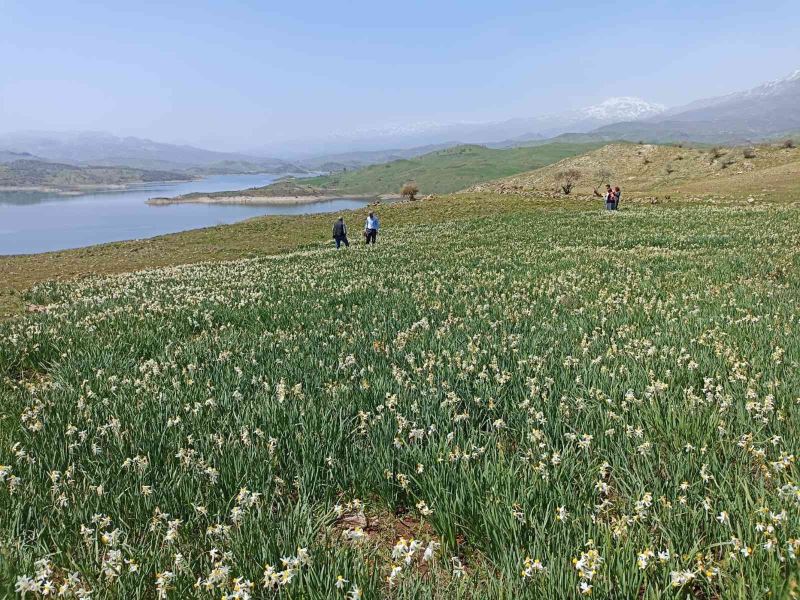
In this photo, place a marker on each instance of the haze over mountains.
(104, 149)
(762, 113)
(769, 110)
(610, 111)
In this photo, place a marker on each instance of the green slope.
(449, 170)
(438, 172)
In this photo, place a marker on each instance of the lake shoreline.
(265, 200)
(36, 222)
(83, 189)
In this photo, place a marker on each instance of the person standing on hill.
(617, 196)
(608, 197)
(340, 233)
(371, 228)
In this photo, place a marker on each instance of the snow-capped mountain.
(763, 112)
(770, 89)
(624, 108)
(768, 110)
(423, 133)
(612, 110)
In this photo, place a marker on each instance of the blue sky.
(232, 75)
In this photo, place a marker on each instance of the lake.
(32, 222)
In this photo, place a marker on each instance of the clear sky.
(232, 75)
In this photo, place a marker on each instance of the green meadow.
(505, 398)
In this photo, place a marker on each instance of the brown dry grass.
(642, 169)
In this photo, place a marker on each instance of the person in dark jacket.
(340, 233)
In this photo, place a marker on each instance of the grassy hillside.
(451, 169)
(36, 173)
(357, 159)
(604, 400)
(645, 169)
(438, 172)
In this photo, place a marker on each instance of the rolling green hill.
(438, 172)
(446, 170)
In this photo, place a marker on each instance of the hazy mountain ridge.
(765, 112)
(104, 149)
(761, 113)
(7, 156)
(414, 135)
(771, 88)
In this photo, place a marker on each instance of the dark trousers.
(341, 239)
(371, 235)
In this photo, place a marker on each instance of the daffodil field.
(547, 403)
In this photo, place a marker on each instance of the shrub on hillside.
(788, 144)
(669, 168)
(567, 179)
(410, 190)
(715, 153)
(604, 175)
(749, 152)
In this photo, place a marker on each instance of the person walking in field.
(371, 228)
(340, 233)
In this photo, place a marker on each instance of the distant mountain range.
(103, 149)
(9, 157)
(428, 134)
(766, 112)
(762, 113)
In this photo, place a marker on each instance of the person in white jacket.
(371, 228)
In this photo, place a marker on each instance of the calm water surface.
(41, 222)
